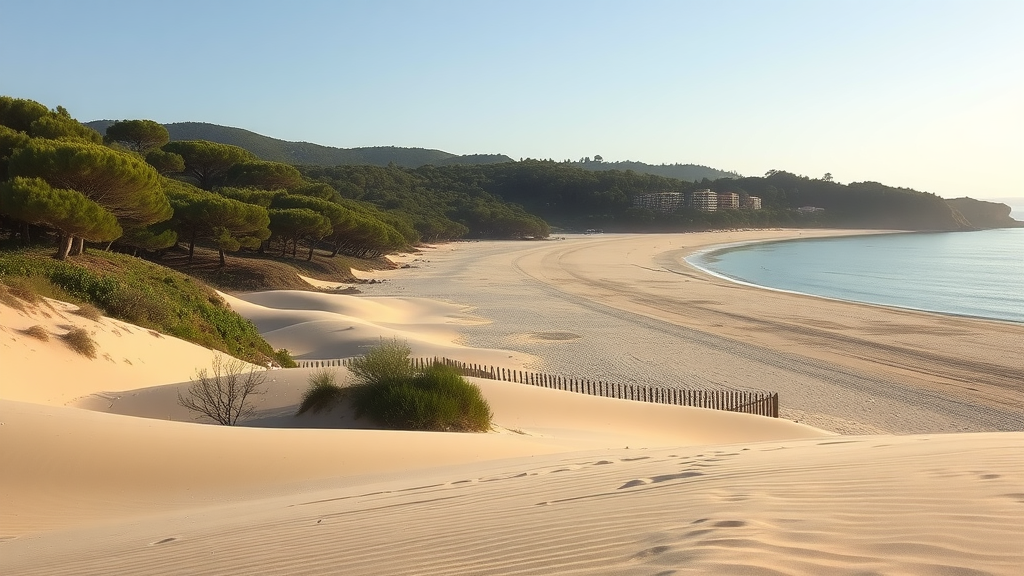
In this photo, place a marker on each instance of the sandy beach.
(900, 450)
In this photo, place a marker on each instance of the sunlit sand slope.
(870, 505)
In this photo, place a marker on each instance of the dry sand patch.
(567, 483)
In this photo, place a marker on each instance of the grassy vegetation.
(139, 292)
(37, 332)
(323, 391)
(247, 271)
(16, 292)
(80, 341)
(391, 392)
(9, 299)
(86, 310)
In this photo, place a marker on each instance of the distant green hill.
(268, 148)
(305, 153)
(688, 172)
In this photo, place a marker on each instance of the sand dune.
(128, 357)
(102, 473)
(879, 505)
(314, 325)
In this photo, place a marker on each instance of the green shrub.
(386, 362)
(284, 359)
(438, 398)
(80, 341)
(137, 305)
(323, 391)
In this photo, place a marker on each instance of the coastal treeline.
(501, 198)
(134, 190)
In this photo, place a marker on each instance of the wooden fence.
(749, 402)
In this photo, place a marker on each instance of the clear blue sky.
(922, 94)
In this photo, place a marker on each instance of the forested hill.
(688, 172)
(274, 150)
(985, 214)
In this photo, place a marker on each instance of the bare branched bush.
(224, 395)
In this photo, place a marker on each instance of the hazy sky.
(927, 95)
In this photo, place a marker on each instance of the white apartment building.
(704, 200)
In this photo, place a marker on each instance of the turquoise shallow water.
(964, 273)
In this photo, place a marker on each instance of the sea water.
(964, 273)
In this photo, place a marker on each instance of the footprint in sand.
(496, 478)
(839, 442)
(730, 524)
(660, 479)
(650, 552)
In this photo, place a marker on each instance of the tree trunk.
(25, 238)
(310, 257)
(63, 247)
(191, 247)
(78, 247)
(222, 263)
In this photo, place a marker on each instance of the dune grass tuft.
(37, 332)
(9, 299)
(391, 392)
(80, 341)
(16, 292)
(323, 392)
(88, 311)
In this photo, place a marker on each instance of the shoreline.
(843, 366)
(712, 250)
